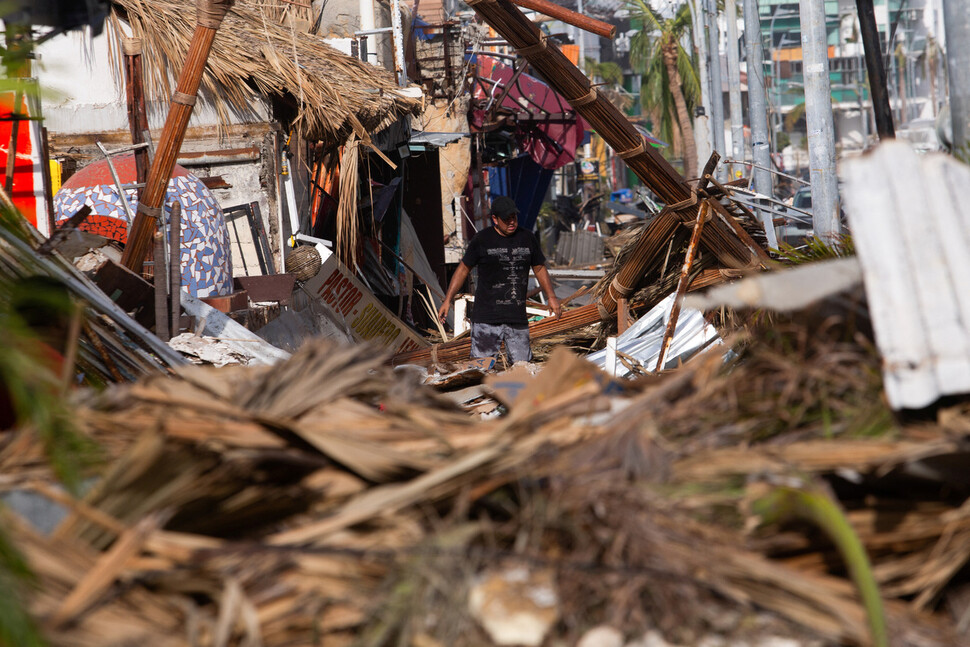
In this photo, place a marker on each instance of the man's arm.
(458, 280)
(545, 282)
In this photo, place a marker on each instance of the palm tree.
(900, 54)
(671, 87)
(609, 76)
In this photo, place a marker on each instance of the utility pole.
(581, 38)
(956, 20)
(734, 81)
(757, 99)
(717, 89)
(818, 115)
(876, 70)
(758, 115)
(702, 121)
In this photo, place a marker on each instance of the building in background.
(911, 36)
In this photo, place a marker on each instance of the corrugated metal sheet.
(644, 338)
(911, 229)
(579, 248)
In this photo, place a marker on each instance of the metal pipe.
(717, 88)
(45, 161)
(702, 121)
(776, 118)
(757, 100)
(818, 115)
(161, 293)
(957, 23)
(122, 194)
(734, 80)
(581, 39)
(175, 266)
(15, 117)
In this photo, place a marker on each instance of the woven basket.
(303, 262)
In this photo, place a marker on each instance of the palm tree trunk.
(683, 117)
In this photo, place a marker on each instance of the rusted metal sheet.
(911, 230)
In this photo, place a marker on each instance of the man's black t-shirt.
(503, 274)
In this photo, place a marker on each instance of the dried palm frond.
(253, 53)
(282, 11)
(347, 228)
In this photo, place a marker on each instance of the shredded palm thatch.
(253, 54)
(347, 235)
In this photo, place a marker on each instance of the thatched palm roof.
(253, 53)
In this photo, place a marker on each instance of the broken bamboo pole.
(703, 214)
(135, 99)
(210, 14)
(569, 81)
(584, 22)
(161, 289)
(175, 268)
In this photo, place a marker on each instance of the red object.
(28, 183)
(98, 174)
(238, 300)
(551, 143)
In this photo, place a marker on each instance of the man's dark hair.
(503, 207)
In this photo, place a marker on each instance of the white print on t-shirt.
(510, 261)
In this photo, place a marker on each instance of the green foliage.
(817, 249)
(35, 314)
(36, 317)
(611, 75)
(963, 153)
(609, 71)
(16, 626)
(815, 505)
(646, 57)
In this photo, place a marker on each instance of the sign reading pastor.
(364, 316)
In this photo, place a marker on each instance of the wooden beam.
(135, 99)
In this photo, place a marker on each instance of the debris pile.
(332, 499)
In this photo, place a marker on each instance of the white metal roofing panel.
(912, 234)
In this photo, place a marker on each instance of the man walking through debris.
(503, 254)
